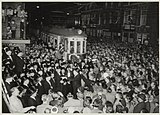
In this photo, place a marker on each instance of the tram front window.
(83, 46)
(72, 47)
(66, 44)
(78, 46)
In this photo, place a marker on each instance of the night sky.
(44, 11)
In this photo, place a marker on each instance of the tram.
(72, 40)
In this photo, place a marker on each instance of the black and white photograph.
(80, 57)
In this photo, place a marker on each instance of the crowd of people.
(111, 78)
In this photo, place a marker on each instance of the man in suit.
(8, 83)
(9, 59)
(33, 99)
(48, 83)
(19, 63)
(141, 103)
(76, 82)
(39, 86)
(57, 78)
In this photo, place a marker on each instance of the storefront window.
(78, 46)
(71, 47)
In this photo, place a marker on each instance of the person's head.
(141, 97)
(87, 101)
(22, 20)
(119, 95)
(40, 72)
(13, 21)
(119, 108)
(91, 69)
(47, 110)
(128, 98)
(52, 75)
(108, 107)
(69, 96)
(153, 85)
(144, 86)
(48, 78)
(58, 69)
(113, 87)
(9, 52)
(35, 66)
(60, 101)
(15, 91)
(9, 78)
(38, 60)
(44, 98)
(97, 103)
(63, 71)
(26, 82)
(75, 72)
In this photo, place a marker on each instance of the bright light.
(42, 17)
(79, 31)
(67, 13)
(37, 7)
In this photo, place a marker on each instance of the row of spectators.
(112, 78)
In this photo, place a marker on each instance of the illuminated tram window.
(83, 46)
(78, 46)
(71, 47)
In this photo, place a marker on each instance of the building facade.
(120, 21)
(102, 20)
(13, 20)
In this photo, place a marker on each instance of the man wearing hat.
(76, 82)
(16, 104)
(48, 83)
(96, 104)
(19, 63)
(9, 58)
(141, 103)
(39, 85)
(8, 83)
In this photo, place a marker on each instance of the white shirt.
(41, 108)
(73, 104)
(16, 105)
(86, 110)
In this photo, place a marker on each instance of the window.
(83, 46)
(78, 47)
(71, 47)
(133, 16)
(66, 44)
(143, 18)
(55, 42)
(126, 14)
